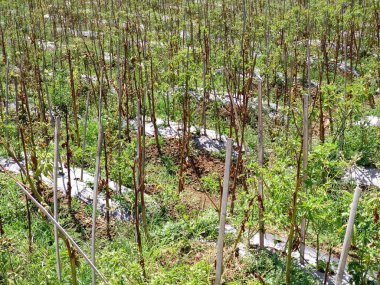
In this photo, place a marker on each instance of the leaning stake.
(223, 210)
(62, 230)
(347, 237)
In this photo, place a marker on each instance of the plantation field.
(190, 142)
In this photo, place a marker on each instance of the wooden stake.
(84, 135)
(260, 161)
(223, 211)
(55, 178)
(347, 237)
(7, 103)
(96, 182)
(305, 151)
(95, 199)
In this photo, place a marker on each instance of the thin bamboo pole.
(260, 161)
(95, 199)
(96, 183)
(305, 151)
(7, 103)
(347, 237)
(223, 213)
(84, 134)
(55, 193)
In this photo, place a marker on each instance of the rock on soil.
(371, 121)
(363, 176)
(208, 144)
(278, 243)
(79, 189)
(209, 141)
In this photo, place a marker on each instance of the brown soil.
(80, 220)
(198, 164)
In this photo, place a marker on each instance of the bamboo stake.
(84, 134)
(223, 212)
(260, 161)
(347, 237)
(47, 89)
(55, 178)
(95, 198)
(7, 103)
(305, 150)
(120, 109)
(96, 184)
